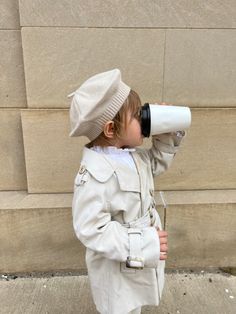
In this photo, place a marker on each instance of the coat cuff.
(168, 142)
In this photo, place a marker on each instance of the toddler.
(114, 211)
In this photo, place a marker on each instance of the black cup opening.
(145, 120)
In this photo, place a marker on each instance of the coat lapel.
(143, 173)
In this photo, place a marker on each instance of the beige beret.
(95, 102)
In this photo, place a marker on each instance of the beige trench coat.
(106, 196)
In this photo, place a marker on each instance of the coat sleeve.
(163, 150)
(95, 228)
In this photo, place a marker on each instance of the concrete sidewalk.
(185, 293)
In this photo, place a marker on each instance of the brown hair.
(132, 104)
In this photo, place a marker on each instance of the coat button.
(82, 169)
(151, 192)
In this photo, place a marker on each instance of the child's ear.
(108, 129)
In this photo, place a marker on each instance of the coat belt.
(142, 222)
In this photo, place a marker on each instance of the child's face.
(132, 135)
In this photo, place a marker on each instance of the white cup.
(158, 119)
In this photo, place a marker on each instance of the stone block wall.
(182, 53)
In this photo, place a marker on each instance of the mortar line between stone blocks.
(10, 29)
(163, 73)
(125, 27)
(24, 67)
(24, 154)
(24, 108)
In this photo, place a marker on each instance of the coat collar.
(102, 168)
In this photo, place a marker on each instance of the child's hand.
(163, 244)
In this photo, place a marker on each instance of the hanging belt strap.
(135, 258)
